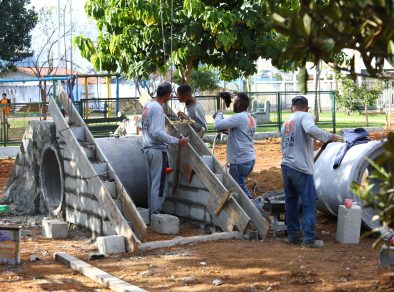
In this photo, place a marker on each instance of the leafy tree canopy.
(321, 30)
(16, 22)
(229, 35)
(202, 79)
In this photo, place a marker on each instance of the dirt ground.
(240, 265)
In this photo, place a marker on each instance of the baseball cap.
(164, 88)
(299, 100)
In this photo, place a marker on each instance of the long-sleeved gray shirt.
(297, 133)
(240, 143)
(196, 113)
(153, 127)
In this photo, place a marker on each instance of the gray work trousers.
(156, 162)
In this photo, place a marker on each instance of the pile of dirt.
(265, 180)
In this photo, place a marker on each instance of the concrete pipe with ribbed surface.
(333, 185)
(52, 178)
(126, 156)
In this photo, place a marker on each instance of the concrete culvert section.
(333, 185)
(52, 178)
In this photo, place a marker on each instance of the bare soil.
(241, 265)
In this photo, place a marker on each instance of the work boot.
(292, 240)
(314, 244)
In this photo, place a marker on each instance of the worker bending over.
(194, 109)
(240, 144)
(155, 143)
(297, 134)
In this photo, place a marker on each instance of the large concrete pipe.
(52, 178)
(333, 185)
(126, 156)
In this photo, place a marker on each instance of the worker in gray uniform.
(240, 144)
(155, 143)
(297, 133)
(194, 109)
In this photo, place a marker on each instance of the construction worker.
(297, 134)
(6, 106)
(155, 143)
(194, 109)
(240, 144)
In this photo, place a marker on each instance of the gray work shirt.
(297, 134)
(153, 127)
(196, 113)
(240, 143)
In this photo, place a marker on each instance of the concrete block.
(164, 224)
(111, 186)
(73, 200)
(81, 186)
(349, 224)
(71, 168)
(208, 160)
(111, 244)
(182, 210)
(208, 218)
(144, 214)
(101, 168)
(76, 217)
(108, 228)
(197, 213)
(95, 224)
(168, 207)
(53, 228)
(67, 154)
(79, 133)
(90, 150)
(69, 184)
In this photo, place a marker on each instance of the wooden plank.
(233, 211)
(94, 273)
(120, 224)
(259, 222)
(187, 240)
(130, 210)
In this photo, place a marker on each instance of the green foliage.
(202, 79)
(383, 200)
(352, 96)
(228, 35)
(16, 22)
(321, 30)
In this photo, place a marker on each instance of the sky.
(82, 25)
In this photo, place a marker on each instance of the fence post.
(333, 110)
(279, 102)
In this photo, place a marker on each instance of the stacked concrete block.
(164, 224)
(144, 214)
(111, 244)
(192, 197)
(53, 228)
(349, 224)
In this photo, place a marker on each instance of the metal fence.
(103, 116)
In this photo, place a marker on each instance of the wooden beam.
(187, 240)
(94, 273)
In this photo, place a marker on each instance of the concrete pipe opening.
(333, 185)
(51, 178)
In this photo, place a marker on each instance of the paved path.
(10, 151)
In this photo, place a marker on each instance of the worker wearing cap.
(240, 144)
(194, 109)
(297, 134)
(155, 143)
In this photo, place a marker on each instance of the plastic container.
(4, 208)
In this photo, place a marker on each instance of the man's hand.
(215, 114)
(183, 141)
(182, 115)
(335, 137)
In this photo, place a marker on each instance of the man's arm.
(318, 134)
(157, 131)
(224, 124)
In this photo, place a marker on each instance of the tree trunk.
(366, 115)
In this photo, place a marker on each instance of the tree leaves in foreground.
(16, 22)
(135, 36)
(321, 30)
